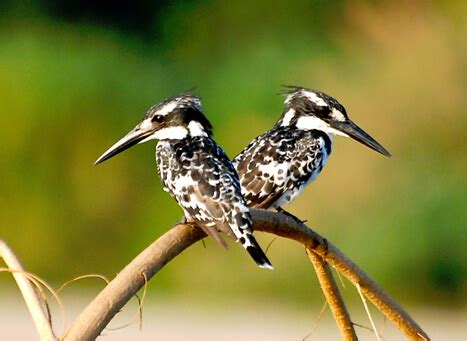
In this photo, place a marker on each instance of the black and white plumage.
(277, 165)
(195, 171)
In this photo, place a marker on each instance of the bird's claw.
(298, 220)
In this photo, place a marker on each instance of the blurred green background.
(75, 77)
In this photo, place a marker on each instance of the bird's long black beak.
(358, 134)
(135, 136)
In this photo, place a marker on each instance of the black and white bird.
(277, 166)
(195, 170)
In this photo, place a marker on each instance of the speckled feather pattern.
(276, 166)
(195, 170)
(201, 178)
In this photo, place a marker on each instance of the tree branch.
(289, 228)
(333, 296)
(112, 298)
(121, 289)
(29, 293)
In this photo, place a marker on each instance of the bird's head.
(173, 119)
(314, 110)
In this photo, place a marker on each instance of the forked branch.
(112, 298)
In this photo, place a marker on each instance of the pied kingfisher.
(195, 170)
(276, 166)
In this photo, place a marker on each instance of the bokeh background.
(76, 76)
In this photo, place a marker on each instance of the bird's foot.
(281, 210)
(186, 221)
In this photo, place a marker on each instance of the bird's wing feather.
(209, 192)
(262, 167)
(276, 162)
(213, 196)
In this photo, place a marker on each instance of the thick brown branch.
(113, 297)
(101, 310)
(287, 227)
(29, 293)
(333, 296)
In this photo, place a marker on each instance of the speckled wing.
(258, 187)
(204, 183)
(200, 176)
(276, 166)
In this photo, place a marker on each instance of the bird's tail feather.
(255, 251)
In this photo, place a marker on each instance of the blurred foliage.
(72, 83)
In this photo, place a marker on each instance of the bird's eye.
(322, 111)
(157, 118)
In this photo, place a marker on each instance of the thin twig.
(269, 245)
(29, 294)
(140, 309)
(112, 298)
(141, 302)
(79, 278)
(368, 312)
(317, 321)
(368, 328)
(333, 296)
(340, 279)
